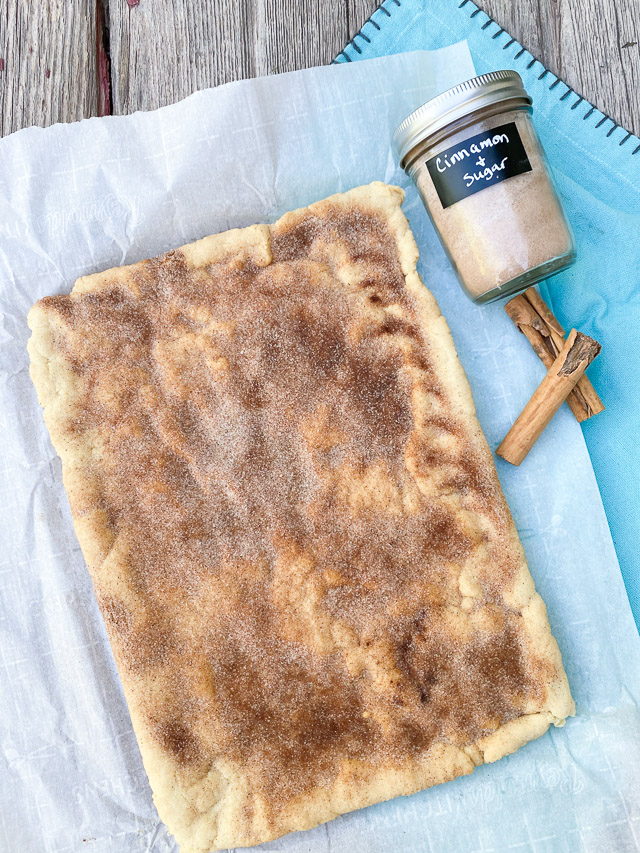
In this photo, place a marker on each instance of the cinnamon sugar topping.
(294, 530)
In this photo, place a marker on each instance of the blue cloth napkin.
(596, 165)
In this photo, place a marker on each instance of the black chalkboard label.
(478, 163)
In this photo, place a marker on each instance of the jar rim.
(455, 103)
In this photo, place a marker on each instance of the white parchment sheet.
(79, 198)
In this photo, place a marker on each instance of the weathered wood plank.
(592, 44)
(162, 51)
(48, 67)
(301, 34)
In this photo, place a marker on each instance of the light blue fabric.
(597, 168)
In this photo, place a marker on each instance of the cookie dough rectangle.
(313, 588)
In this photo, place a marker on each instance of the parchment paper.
(77, 199)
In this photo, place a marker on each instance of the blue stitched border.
(384, 12)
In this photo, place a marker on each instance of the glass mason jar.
(484, 179)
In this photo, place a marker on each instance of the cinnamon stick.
(573, 359)
(534, 319)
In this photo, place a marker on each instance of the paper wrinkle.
(76, 199)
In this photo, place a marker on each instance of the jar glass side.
(508, 235)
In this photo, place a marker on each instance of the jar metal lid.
(456, 103)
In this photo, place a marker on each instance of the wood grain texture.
(162, 50)
(48, 62)
(165, 50)
(594, 45)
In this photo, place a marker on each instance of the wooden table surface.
(62, 60)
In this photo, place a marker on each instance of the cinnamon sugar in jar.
(484, 179)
